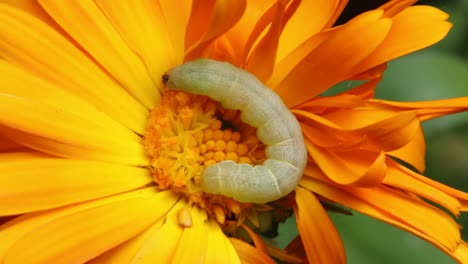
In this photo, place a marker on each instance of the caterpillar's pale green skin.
(260, 107)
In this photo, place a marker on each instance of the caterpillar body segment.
(260, 107)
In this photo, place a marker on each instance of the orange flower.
(101, 163)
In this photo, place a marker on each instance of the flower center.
(187, 133)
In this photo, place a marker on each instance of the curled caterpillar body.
(260, 107)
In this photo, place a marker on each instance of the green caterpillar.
(260, 107)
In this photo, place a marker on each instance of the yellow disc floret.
(187, 133)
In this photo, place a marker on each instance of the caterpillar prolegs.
(260, 107)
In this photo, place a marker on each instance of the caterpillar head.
(192, 77)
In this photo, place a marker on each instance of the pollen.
(187, 133)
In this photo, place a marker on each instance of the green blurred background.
(440, 71)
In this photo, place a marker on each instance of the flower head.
(100, 162)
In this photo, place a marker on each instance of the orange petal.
(39, 50)
(318, 233)
(199, 21)
(8, 145)
(296, 248)
(325, 134)
(369, 129)
(350, 168)
(209, 22)
(96, 34)
(396, 208)
(33, 181)
(387, 130)
(361, 117)
(321, 104)
(312, 75)
(400, 178)
(143, 27)
(94, 228)
(367, 89)
(462, 197)
(413, 28)
(414, 152)
(392, 133)
(287, 64)
(394, 7)
(257, 16)
(461, 253)
(262, 58)
(256, 239)
(249, 254)
(427, 110)
(309, 19)
(371, 74)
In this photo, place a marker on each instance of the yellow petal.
(92, 231)
(176, 15)
(63, 147)
(187, 251)
(219, 248)
(15, 82)
(318, 233)
(249, 254)
(38, 49)
(32, 181)
(31, 7)
(162, 235)
(142, 26)
(73, 128)
(334, 59)
(159, 243)
(64, 135)
(207, 22)
(102, 41)
(77, 233)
